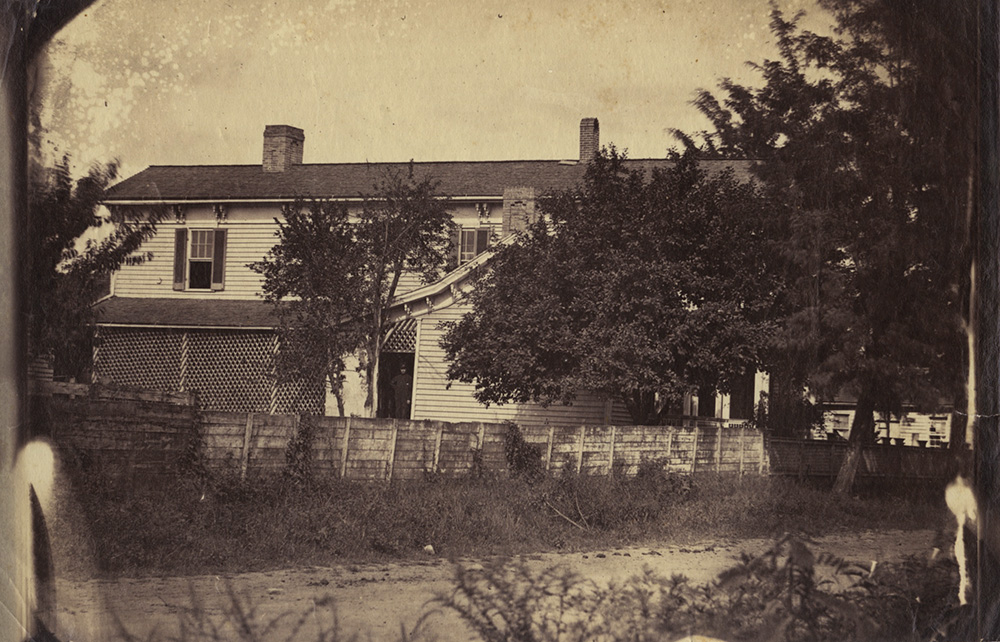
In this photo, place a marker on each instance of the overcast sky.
(195, 81)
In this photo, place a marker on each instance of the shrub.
(523, 459)
(298, 452)
(786, 594)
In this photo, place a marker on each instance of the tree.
(333, 273)
(66, 272)
(862, 142)
(641, 288)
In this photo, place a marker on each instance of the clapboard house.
(192, 317)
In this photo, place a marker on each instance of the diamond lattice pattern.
(231, 370)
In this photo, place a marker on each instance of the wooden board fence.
(153, 434)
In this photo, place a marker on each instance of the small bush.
(298, 452)
(523, 459)
(789, 594)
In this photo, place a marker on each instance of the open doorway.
(395, 384)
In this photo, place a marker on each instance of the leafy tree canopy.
(639, 287)
(866, 142)
(66, 271)
(334, 271)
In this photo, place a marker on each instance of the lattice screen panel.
(143, 358)
(300, 397)
(231, 371)
(403, 337)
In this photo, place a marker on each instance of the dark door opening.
(395, 384)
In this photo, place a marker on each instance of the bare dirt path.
(374, 600)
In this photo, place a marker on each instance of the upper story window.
(475, 241)
(199, 259)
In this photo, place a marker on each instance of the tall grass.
(223, 524)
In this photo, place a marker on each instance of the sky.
(187, 82)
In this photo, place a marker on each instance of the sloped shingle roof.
(350, 180)
(190, 313)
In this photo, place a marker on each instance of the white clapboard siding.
(154, 278)
(913, 426)
(435, 399)
(245, 244)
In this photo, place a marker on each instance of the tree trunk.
(371, 381)
(862, 434)
(641, 407)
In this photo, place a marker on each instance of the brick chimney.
(590, 139)
(518, 209)
(282, 147)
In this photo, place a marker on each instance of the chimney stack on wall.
(282, 147)
(518, 209)
(590, 139)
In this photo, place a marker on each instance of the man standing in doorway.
(402, 386)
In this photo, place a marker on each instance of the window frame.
(474, 232)
(210, 245)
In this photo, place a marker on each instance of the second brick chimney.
(590, 139)
(282, 147)
(518, 210)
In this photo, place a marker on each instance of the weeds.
(523, 459)
(241, 619)
(786, 594)
(222, 523)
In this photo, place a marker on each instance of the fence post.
(392, 450)
(343, 450)
(437, 445)
(802, 458)
(611, 455)
(718, 449)
(548, 452)
(694, 449)
(743, 432)
(763, 452)
(670, 443)
(579, 461)
(245, 456)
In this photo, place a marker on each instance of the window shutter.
(219, 261)
(456, 244)
(482, 239)
(180, 258)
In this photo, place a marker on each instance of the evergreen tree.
(866, 140)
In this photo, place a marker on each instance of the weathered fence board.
(152, 435)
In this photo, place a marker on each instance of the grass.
(224, 525)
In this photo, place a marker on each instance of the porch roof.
(186, 313)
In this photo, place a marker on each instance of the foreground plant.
(241, 619)
(788, 593)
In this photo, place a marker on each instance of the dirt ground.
(374, 601)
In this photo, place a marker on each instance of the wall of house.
(911, 427)
(437, 398)
(250, 236)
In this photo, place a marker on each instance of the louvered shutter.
(180, 258)
(456, 244)
(482, 239)
(219, 261)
